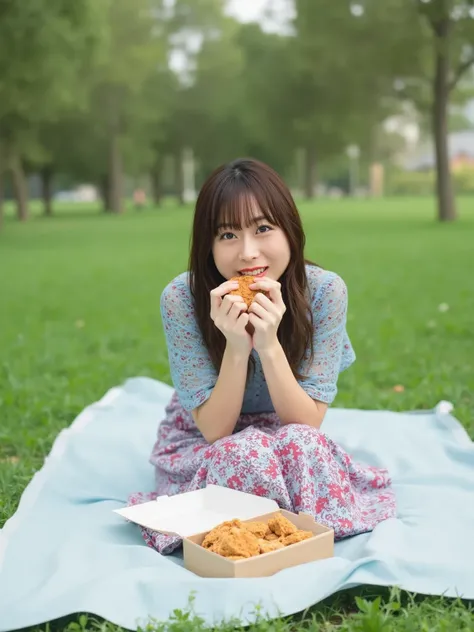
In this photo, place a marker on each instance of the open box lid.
(196, 512)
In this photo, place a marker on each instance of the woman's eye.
(264, 228)
(226, 236)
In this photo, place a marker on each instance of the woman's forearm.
(217, 417)
(292, 404)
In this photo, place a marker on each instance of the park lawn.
(80, 313)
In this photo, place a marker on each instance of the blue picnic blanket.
(66, 551)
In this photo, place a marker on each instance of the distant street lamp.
(353, 153)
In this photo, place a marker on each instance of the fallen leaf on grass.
(399, 388)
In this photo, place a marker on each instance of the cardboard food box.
(192, 515)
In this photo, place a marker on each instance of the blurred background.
(107, 100)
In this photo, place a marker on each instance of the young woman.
(253, 384)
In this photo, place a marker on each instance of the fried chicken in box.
(281, 526)
(294, 538)
(259, 529)
(267, 547)
(213, 538)
(236, 540)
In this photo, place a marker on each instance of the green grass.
(80, 313)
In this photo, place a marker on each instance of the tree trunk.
(179, 177)
(444, 183)
(2, 187)
(115, 176)
(20, 186)
(1, 196)
(105, 192)
(155, 179)
(47, 181)
(309, 172)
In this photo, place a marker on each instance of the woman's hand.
(265, 314)
(230, 316)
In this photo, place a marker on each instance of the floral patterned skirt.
(297, 466)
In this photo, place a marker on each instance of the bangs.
(237, 205)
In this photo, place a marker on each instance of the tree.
(428, 65)
(338, 79)
(217, 107)
(266, 103)
(43, 48)
(148, 130)
(451, 24)
(195, 30)
(79, 129)
(135, 50)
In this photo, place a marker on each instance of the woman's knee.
(297, 440)
(297, 432)
(242, 446)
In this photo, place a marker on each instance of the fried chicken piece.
(238, 542)
(281, 525)
(259, 529)
(267, 547)
(297, 536)
(215, 535)
(271, 537)
(244, 291)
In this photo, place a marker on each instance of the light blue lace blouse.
(194, 376)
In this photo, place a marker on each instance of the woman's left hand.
(265, 313)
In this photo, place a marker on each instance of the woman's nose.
(249, 250)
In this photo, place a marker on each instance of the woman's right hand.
(230, 316)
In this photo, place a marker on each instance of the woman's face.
(260, 249)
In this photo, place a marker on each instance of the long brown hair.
(227, 197)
